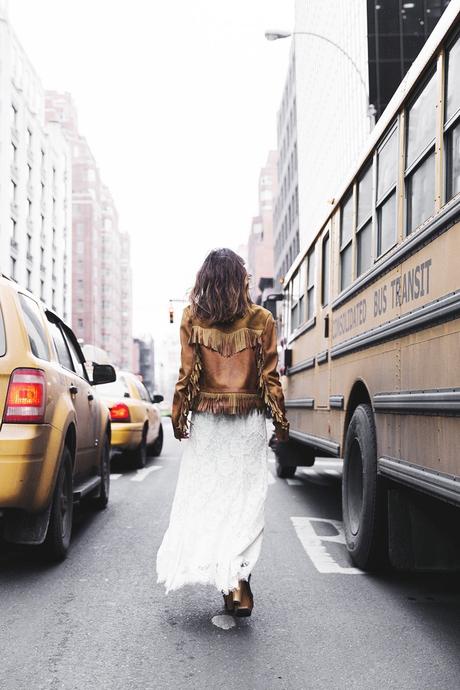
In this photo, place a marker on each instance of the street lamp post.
(275, 35)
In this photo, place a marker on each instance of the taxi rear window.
(2, 335)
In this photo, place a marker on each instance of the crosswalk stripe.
(144, 472)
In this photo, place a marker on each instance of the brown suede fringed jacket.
(229, 369)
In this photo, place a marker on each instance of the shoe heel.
(236, 597)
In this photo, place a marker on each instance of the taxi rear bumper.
(126, 435)
(29, 455)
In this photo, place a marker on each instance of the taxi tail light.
(119, 413)
(26, 397)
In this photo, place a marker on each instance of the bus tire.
(285, 471)
(363, 496)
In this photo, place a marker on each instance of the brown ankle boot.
(228, 601)
(243, 603)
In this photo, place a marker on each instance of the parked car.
(54, 430)
(136, 419)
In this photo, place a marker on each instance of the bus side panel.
(377, 368)
(429, 362)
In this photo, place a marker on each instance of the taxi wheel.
(60, 525)
(157, 445)
(139, 456)
(101, 501)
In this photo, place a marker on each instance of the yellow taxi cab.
(54, 430)
(136, 420)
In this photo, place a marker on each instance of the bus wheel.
(363, 497)
(285, 471)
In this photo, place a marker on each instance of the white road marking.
(271, 478)
(113, 477)
(294, 482)
(224, 622)
(313, 476)
(333, 473)
(314, 545)
(144, 472)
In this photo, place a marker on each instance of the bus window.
(346, 234)
(364, 224)
(310, 284)
(387, 165)
(420, 133)
(298, 298)
(452, 127)
(325, 271)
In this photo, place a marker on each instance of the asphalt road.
(99, 620)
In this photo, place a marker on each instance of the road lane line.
(333, 473)
(312, 476)
(144, 472)
(314, 545)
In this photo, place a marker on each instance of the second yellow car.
(136, 421)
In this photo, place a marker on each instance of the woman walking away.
(228, 379)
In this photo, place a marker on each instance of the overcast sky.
(178, 101)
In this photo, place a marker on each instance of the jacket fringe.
(226, 344)
(192, 390)
(228, 403)
(278, 415)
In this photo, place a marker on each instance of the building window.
(452, 121)
(387, 167)
(420, 173)
(14, 152)
(29, 279)
(42, 290)
(364, 222)
(14, 116)
(13, 229)
(13, 191)
(346, 245)
(310, 284)
(325, 261)
(29, 246)
(13, 268)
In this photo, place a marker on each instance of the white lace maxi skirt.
(217, 519)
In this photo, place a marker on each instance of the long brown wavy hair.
(221, 290)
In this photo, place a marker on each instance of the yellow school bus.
(371, 324)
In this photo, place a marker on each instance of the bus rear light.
(26, 399)
(119, 413)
